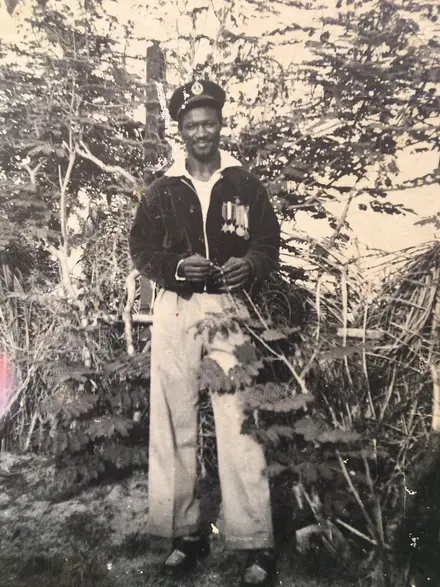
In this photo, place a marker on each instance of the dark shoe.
(185, 553)
(260, 569)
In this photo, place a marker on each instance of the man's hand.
(236, 272)
(195, 268)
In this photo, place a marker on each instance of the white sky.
(372, 230)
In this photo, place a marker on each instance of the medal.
(239, 216)
(236, 217)
(246, 218)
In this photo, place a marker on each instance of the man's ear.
(180, 121)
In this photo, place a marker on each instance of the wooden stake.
(435, 372)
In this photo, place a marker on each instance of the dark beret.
(196, 93)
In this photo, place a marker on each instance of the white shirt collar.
(178, 168)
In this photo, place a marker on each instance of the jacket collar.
(178, 168)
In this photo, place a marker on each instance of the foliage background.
(332, 106)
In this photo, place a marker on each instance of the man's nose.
(201, 132)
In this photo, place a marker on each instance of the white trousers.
(176, 355)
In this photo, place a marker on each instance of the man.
(203, 232)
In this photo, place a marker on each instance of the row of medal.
(236, 217)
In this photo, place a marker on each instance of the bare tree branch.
(65, 273)
(64, 182)
(32, 173)
(342, 220)
(128, 318)
(84, 151)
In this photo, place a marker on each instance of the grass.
(75, 570)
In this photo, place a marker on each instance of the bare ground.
(97, 538)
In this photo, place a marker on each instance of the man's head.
(197, 107)
(200, 130)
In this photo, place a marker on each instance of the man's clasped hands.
(234, 274)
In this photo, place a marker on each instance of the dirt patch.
(97, 538)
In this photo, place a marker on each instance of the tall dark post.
(11, 5)
(154, 139)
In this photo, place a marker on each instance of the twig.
(17, 394)
(31, 431)
(342, 219)
(435, 370)
(356, 532)
(355, 493)
(318, 305)
(280, 356)
(257, 312)
(344, 290)
(364, 359)
(389, 393)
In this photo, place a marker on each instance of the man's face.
(200, 129)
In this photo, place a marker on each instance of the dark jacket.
(168, 227)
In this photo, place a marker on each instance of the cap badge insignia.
(197, 89)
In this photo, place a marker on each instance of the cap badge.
(197, 89)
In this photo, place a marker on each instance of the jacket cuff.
(253, 260)
(177, 277)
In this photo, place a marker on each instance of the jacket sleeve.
(147, 244)
(264, 246)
